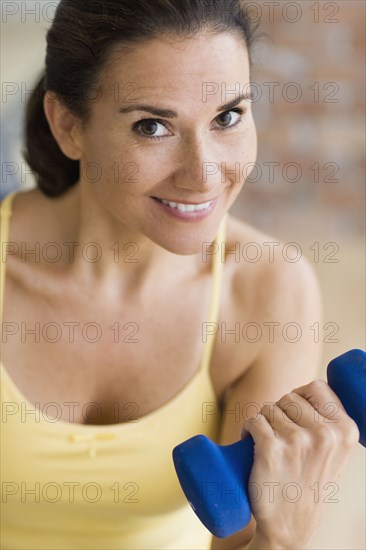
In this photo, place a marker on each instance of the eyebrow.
(167, 113)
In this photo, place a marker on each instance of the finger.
(293, 409)
(331, 411)
(306, 415)
(259, 428)
(297, 410)
(274, 420)
(323, 399)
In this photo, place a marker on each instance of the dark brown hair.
(79, 43)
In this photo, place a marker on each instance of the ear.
(64, 126)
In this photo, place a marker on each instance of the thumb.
(244, 433)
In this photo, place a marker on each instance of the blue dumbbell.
(214, 477)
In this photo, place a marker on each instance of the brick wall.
(314, 128)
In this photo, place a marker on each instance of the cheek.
(125, 169)
(252, 149)
(250, 141)
(152, 165)
(242, 153)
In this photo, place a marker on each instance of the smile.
(187, 207)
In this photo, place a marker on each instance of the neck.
(113, 257)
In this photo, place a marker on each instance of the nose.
(200, 169)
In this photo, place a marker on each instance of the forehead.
(161, 67)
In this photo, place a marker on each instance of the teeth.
(187, 207)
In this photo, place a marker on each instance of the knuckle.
(299, 438)
(287, 398)
(352, 434)
(273, 452)
(326, 436)
(265, 410)
(317, 385)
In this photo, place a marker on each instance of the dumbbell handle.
(215, 477)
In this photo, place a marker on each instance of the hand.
(301, 444)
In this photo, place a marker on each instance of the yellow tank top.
(74, 486)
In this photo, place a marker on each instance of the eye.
(227, 117)
(148, 126)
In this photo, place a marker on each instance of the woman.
(127, 308)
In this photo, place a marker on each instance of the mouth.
(185, 206)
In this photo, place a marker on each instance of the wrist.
(260, 542)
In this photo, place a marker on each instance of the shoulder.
(35, 222)
(23, 203)
(267, 272)
(37, 218)
(272, 294)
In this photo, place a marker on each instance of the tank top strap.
(214, 307)
(5, 215)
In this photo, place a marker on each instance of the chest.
(114, 363)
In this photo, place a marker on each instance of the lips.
(180, 201)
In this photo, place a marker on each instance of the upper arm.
(289, 356)
(290, 345)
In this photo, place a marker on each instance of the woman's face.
(196, 153)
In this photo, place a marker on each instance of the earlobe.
(63, 125)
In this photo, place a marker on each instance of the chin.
(183, 249)
(183, 245)
(184, 240)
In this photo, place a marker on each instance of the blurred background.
(308, 186)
